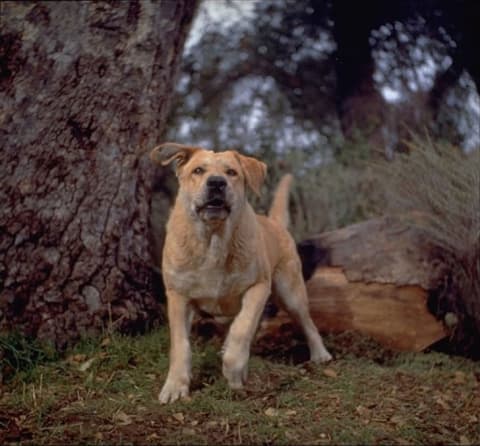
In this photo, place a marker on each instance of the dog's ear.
(166, 153)
(254, 171)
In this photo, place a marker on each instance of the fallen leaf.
(179, 417)
(472, 419)
(86, 365)
(335, 399)
(106, 342)
(464, 440)
(290, 412)
(330, 373)
(20, 419)
(290, 435)
(362, 411)
(153, 436)
(77, 358)
(442, 403)
(397, 420)
(459, 377)
(188, 431)
(271, 412)
(122, 418)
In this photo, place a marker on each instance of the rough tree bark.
(85, 90)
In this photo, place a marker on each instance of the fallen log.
(373, 277)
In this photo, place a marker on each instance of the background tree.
(348, 71)
(85, 91)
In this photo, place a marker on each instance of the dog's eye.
(231, 173)
(198, 170)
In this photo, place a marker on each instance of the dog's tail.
(279, 208)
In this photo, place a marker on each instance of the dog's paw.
(236, 377)
(321, 356)
(173, 390)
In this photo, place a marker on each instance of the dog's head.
(212, 184)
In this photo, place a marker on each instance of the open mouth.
(214, 205)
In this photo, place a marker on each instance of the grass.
(20, 353)
(104, 391)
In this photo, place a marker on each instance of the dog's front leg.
(178, 378)
(242, 330)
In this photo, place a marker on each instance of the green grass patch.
(105, 391)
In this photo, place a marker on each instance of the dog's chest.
(217, 278)
(213, 282)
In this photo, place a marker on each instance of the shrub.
(324, 196)
(442, 184)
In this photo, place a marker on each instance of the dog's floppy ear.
(254, 171)
(168, 152)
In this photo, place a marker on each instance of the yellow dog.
(222, 258)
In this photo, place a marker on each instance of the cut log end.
(396, 316)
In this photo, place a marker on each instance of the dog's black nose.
(216, 182)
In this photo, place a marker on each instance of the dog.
(223, 259)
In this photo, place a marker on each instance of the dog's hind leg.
(290, 290)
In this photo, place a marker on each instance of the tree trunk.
(360, 106)
(85, 91)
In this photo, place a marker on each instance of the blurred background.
(324, 88)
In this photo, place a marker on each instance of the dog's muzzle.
(215, 206)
